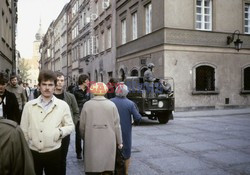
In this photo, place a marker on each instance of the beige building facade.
(191, 41)
(187, 40)
(8, 21)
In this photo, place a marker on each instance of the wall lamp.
(238, 43)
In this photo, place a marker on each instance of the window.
(105, 4)
(109, 37)
(110, 74)
(247, 18)
(97, 9)
(88, 47)
(148, 18)
(134, 72)
(205, 78)
(102, 42)
(95, 44)
(134, 25)
(83, 19)
(204, 14)
(143, 70)
(85, 49)
(124, 35)
(81, 51)
(247, 79)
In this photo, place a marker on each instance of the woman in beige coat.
(100, 128)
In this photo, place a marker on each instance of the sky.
(29, 14)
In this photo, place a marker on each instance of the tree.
(24, 68)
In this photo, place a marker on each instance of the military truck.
(157, 105)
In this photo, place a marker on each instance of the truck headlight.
(160, 104)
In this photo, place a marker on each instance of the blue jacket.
(126, 108)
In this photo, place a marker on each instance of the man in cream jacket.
(45, 121)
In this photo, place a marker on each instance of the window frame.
(203, 15)
(134, 25)
(243, 91)
(148, 18)
(247, 5)
(109, 38)
(213, 92)
(124, 31)
(134, 69)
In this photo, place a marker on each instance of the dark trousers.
(78, 141)
(64, 152)
(50, 162)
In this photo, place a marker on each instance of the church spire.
(39, 32)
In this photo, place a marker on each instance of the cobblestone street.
(203, 143)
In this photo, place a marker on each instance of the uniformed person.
(149, 80)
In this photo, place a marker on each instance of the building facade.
(8, 21)
(191, 41)
(187, 40)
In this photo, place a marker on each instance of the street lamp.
(238, 43)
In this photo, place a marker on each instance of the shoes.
(79, 156)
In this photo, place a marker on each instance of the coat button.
(40, 141)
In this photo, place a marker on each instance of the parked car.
(160, 105)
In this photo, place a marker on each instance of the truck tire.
(163, 118)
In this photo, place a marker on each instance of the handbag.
(119, 163)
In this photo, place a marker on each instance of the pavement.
(216, 144)
(215, 112)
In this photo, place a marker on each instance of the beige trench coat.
(100, 128)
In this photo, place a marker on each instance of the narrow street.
(191, 144)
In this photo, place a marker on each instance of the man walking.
(9, 108)
(45, 121)
(82, 95)
(18, 91)
(71, 101)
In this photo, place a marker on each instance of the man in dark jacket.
(18, 90)
(71, 101)
(112, 84)
(9, 108)
(82, 95)
(15, 155)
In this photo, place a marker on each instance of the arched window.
(205, 78)
(143, 70)
(134, 72)
(247, 78)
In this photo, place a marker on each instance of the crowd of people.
(35, 127)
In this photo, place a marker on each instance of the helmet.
(99, 89)
(151, 65)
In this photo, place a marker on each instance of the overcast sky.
(29, 14)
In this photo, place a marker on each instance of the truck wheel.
(163, 118)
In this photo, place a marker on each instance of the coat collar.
(39, 99)
(99, 98)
